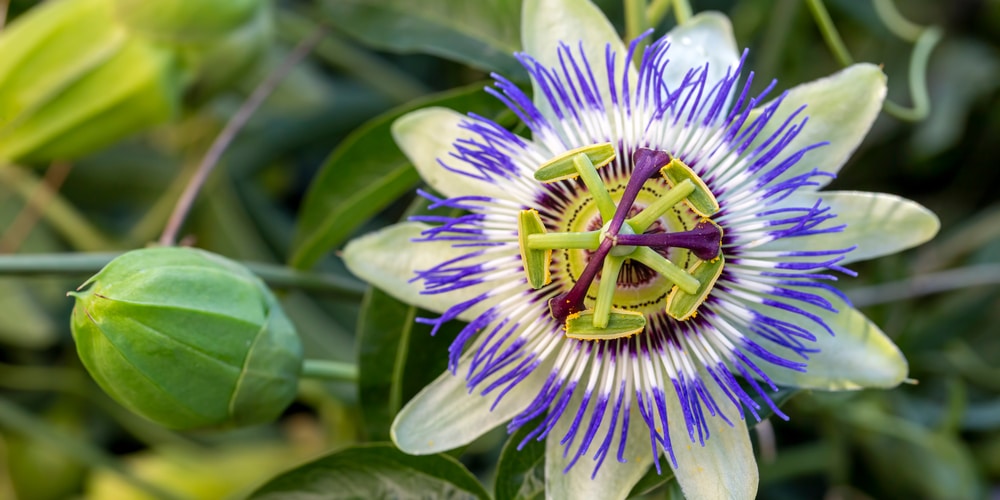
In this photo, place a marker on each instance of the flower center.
(621, 240)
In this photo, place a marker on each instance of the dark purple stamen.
(647, 163)
(705, 240)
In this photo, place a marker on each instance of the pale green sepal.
(428, 134)
(614, 479)
(859, 355)
(705, 38)
(545, 24)
(382, 259)
(725, 466)
(444, 415)
(879, 224)
(841, 108)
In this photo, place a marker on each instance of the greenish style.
(187, 339)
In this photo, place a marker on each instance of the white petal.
(879, 224)
(725, 467)
(444, 415)
(388, 259)
(614, 479)
(841, 108)
(705, 38)
(859, 355)
(547, 23)
(427, 135)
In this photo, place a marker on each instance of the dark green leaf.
(374, 471)
(521, 473)
(364, 174)
(483, 34)
(397, 357)
(653, 480)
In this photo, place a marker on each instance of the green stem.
(656, 11)
(635, 18)
(74, 383)
(682, 11)
(18, 420)
(58, 212)
(381, 76)
(230, 131)
(895, 21)
(329, 370)
(926, 284)
(148, 227)
(918, 79)
(275, 275)
(830, 33)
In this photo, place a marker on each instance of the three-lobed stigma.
(621, 239)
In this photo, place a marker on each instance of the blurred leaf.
(364, 174)
(195, 474)
(483, 34)
(652, 480)
(24, 322)
(963, 72)
(912, 461)
(375, 471)
(521, 473)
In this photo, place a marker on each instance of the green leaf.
(652, 480)
(396, 357)
(911, 460)
(374, 471)
(521, 473)
(365, 174)
(483, 34)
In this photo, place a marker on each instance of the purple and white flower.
(650, 264)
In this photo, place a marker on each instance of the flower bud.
(217, 42)
(78, 75)
(72, 80)
(187, 339)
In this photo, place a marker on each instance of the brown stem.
(232, 128)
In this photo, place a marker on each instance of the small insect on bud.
(187, 338)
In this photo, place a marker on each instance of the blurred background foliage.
(315, 165)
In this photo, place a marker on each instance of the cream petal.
(428, 135)
(614, 479)
(705, 38)
(857, 356)
(444, 415)
(545, 24)
(725, 466)
(878, 224)
(377, 259)
(841, 108)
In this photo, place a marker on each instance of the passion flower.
(187, 339)
(646, 264)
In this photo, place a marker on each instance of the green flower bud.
(179, 20)
(187, 339)
(72, 80)
(217, 42)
